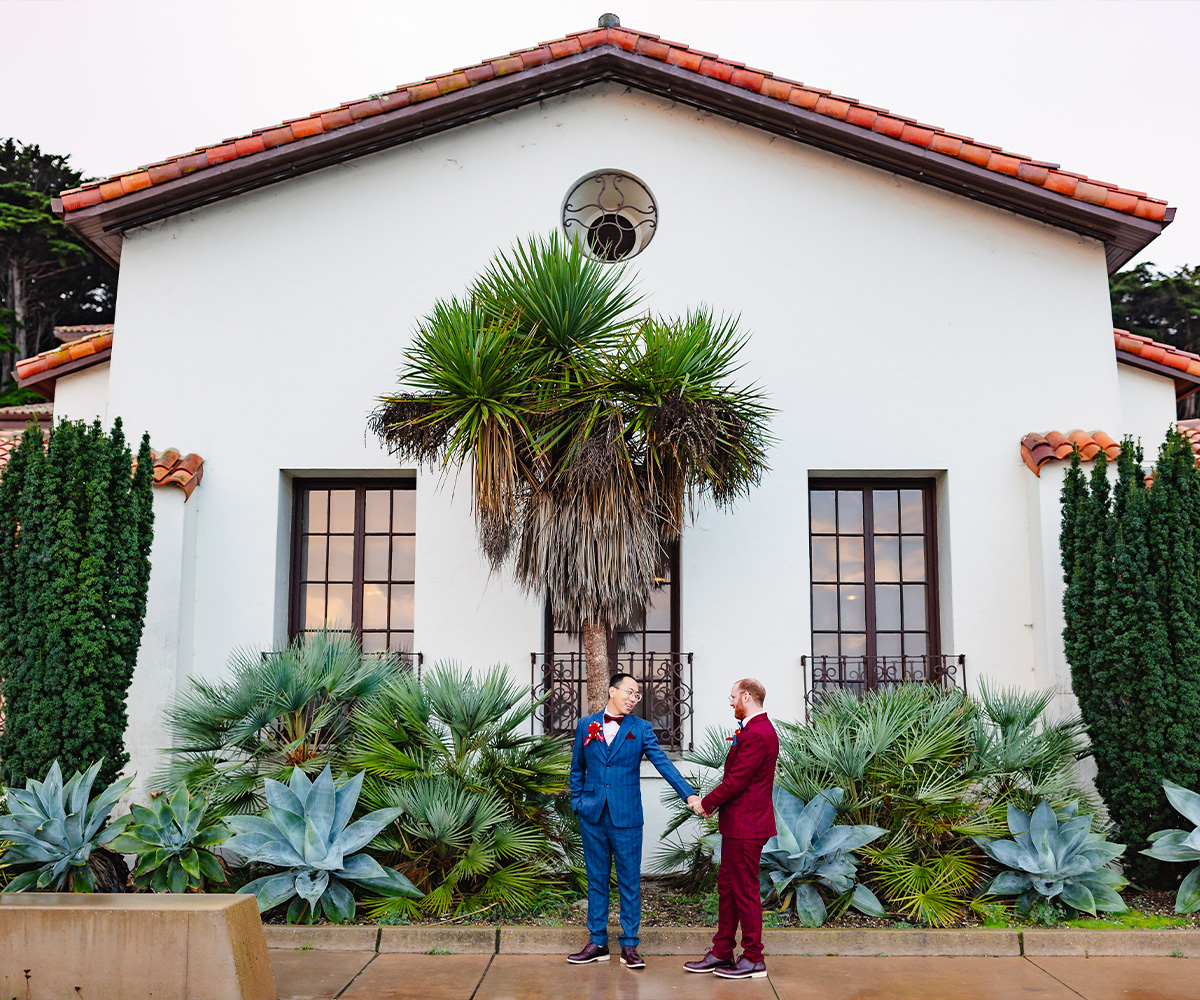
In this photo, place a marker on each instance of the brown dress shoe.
(630, 958)
(743, 968)
(592, 952)
(708, 963)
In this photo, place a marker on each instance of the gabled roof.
(1182, 367)
(40, 372)
(1124, 220)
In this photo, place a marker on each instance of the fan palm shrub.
(482, 820)
(589, 427)
(934, 768)
(273, 712)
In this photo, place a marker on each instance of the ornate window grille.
(611, 214)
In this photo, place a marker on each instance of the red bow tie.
(613, 718)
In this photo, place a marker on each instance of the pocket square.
(629, 736)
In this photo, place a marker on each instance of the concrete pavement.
(321, 974)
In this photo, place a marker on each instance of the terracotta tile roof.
(757, 84)
(99, 340)
(1038, 449)
(170, 468)
(1190, 429)
(80, 330)
(1152, 350)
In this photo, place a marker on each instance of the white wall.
(83, 395)
(891, 325)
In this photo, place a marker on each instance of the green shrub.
(273, 713)
(55, 832)
(170, 840)
(482, 819)
(75, 531)
(1131, 563)
(307, 831)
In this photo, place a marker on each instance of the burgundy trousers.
(738, 899)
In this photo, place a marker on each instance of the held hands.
(693, 802)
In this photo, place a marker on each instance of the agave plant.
(56, 833)
(307, 830)
(481, 820)
(169, 839)
(274, 712)
(1181, 845)
(1056, 856)
(810, 853)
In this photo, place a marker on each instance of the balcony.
(869, 673)
(665, 680)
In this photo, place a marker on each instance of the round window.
(611, 214)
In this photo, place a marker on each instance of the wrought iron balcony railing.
(665, 680)
(868, 673)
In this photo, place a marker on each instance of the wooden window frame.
(928, 488)
(301, 486)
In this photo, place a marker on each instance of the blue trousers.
(602, 843)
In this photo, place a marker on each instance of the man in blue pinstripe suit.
(606, 794)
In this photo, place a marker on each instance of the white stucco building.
(919, 303)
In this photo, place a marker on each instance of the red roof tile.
(65, 333)
(1152, 350)
(73, 350)
(1038, 449)
(776, 88)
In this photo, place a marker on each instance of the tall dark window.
(874, 575)
(354, 560)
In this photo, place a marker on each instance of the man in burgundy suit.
(746, 822)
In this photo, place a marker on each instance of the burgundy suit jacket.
(744, 794)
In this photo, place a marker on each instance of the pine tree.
(75, 528)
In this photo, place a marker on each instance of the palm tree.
(590, 428)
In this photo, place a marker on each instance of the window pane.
(912, 516)
(375, 557)
(887, 559)
(404, 557)
(887, 608)
(824, 609)
(402, 606)
(318, 511)
(379, 509)
(887, 644)
(658, 610)
(313, 611)
(822, 515)
(374, 642)
(404, 510)
(854, 645)
(658, 642)
(341, 557)
(885, 510)
(850, 512)
(375, 606)
(337, 613)
(853, 607)
(313, 557)
(400, 642)
(825, 644)
(824, 560)
(914, 644)
(627, 641)
(912, 551)
(341, 510)
(850, 560)
(914, 608)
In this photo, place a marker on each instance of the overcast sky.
(1107, 89)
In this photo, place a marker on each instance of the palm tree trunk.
(595, 652)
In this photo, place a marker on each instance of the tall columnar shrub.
(75, 530)
(1131, 564)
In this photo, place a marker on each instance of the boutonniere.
(595, 732)
(732, 740)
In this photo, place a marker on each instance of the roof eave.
(1185, 382)
(102, 225)
(43, 382)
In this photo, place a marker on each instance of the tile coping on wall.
(533, 940)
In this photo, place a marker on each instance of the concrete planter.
(191, 946)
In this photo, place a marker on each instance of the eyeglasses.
(630, 694)
(734, 698)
